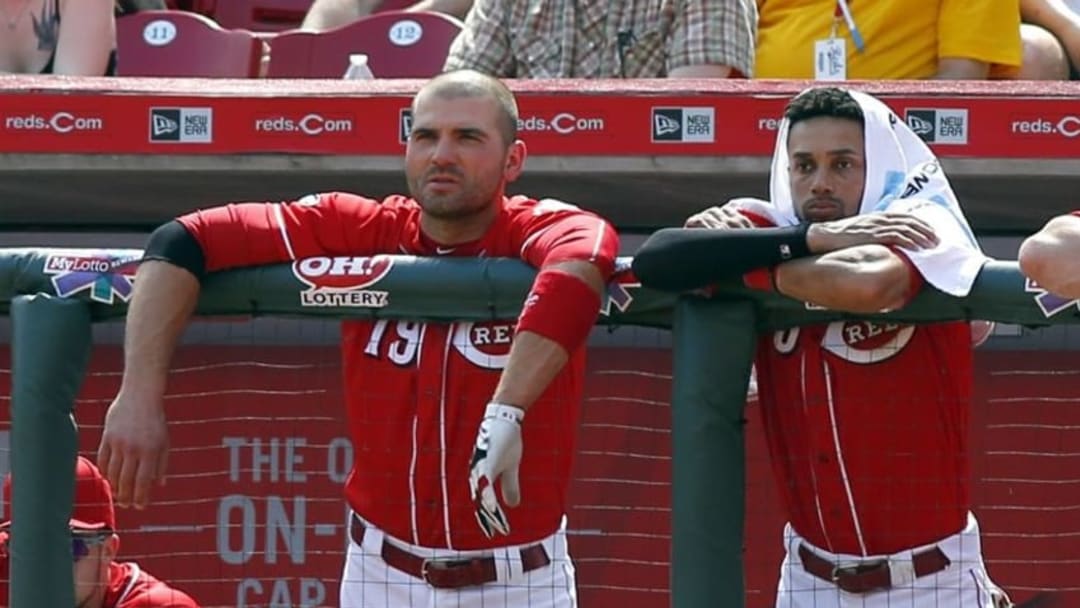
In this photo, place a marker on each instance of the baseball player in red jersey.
(866, 421)
(1051, 256)
(439, 414)
(100, 581)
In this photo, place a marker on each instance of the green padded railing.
(54, 295)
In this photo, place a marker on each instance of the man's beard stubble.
(468, 201)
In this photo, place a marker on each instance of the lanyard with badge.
(830, 54)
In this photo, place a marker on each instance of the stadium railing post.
(713, 354)
(51, 341)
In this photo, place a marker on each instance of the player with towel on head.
(100, 580)
(866, 421)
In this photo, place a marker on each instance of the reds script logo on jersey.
(855, 341)
(485, 344)
(341, 281)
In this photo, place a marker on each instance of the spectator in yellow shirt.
(900, 39)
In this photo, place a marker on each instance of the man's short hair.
(823, 101)
(470, 83)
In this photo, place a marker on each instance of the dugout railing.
(54, 297)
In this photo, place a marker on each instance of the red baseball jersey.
(867, 427)
(416, 391)
(132, 587)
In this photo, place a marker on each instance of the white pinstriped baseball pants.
(964, 584)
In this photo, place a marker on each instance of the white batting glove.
(497, 455)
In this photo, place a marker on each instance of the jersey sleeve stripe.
(135, 573)
(280, 217)
(529, 241)
(599, 240)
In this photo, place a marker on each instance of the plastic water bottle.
(358, 68)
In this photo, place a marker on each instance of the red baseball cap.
(93, 509)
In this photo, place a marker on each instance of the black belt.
(448, 573)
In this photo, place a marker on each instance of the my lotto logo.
(104, 277)
(618, 288)
(1049, 303)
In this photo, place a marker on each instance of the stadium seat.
(203, 7)
(398, 45)
(261, 15)
(393, 5)
(179, 44)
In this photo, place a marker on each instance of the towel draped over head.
(902, 176)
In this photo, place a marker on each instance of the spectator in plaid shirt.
(614, 39)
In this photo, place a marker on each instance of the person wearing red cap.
(100, 580)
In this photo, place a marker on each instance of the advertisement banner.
(552, 124)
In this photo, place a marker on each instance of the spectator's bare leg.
(1044, 58)
(457, 8)
(1061, 19)
(327, 14)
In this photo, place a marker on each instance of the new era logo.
(404, 125)
(182, 125)
(923, 128)
(665, 125)
(939, 126)
(687, 125)
(165, 124)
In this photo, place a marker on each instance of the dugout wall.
(53, 296)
